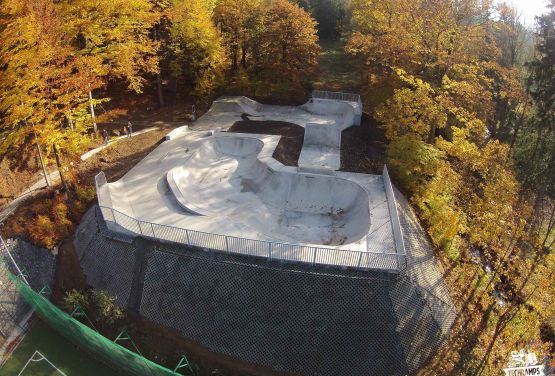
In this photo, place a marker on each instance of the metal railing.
(393, 213)
(349, 97)
(116, 221)
(7, 255)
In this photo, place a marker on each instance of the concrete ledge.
(349, 112)
(177, 132)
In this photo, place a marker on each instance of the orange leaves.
(289, 44)
(54, 52)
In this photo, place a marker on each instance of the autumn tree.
(455, 102)
(513, 39)
(239, 22)
(197, 55)
(288, 43)
(423, 37)
(272, 47)
(55, 53)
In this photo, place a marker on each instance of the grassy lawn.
(57, 350)
(337, 72)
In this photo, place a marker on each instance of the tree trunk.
(159, 74)
(42, 162)
(244, 56)
(160, 89)
(91, 107)
(517, 128)
(60, 170)
(432, 134)
(234, 58)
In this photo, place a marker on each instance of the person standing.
(105, 136)
(129, 129)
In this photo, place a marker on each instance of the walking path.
(54, 176)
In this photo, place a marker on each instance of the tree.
(425, 38)
(537, 159)
(288, 43)
(239, 22)
(197, 55)
(512, 37)
(456, 98)
(330, 15)
(54, 53)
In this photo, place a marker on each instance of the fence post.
(226, 244)
(187, 235)
(152, 227)
(114, 216)
(314, 257)
(359, 259)
(270, 250)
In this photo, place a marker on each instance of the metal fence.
(393, 213)
(116, 221)
(349, 97)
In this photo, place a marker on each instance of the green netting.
(89, 340)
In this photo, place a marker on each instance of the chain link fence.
(74, 331)
(291, 317)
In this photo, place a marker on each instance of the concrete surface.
(205, 181)
(240, 193)
(225, 178)
(321, 149)
(334, 115)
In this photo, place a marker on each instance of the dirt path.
(337, 69)
(54, 176)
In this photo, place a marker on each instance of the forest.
(463, 91)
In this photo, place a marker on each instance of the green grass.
(57, 350)
(337, 71)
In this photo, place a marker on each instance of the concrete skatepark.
(304, 270)
(225, 178)
(225, 191)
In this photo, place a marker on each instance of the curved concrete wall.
(349, 113)
(225, 177)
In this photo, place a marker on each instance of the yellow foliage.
(43, 232)
(413, 162)
(54, 52)
(289, 46)
(196, 45)
(438, 206)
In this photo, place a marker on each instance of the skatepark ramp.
(321, 150)
(347, 105)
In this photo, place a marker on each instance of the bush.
(85, 193)
(107, 311)
(75, 298)
(43, 232)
